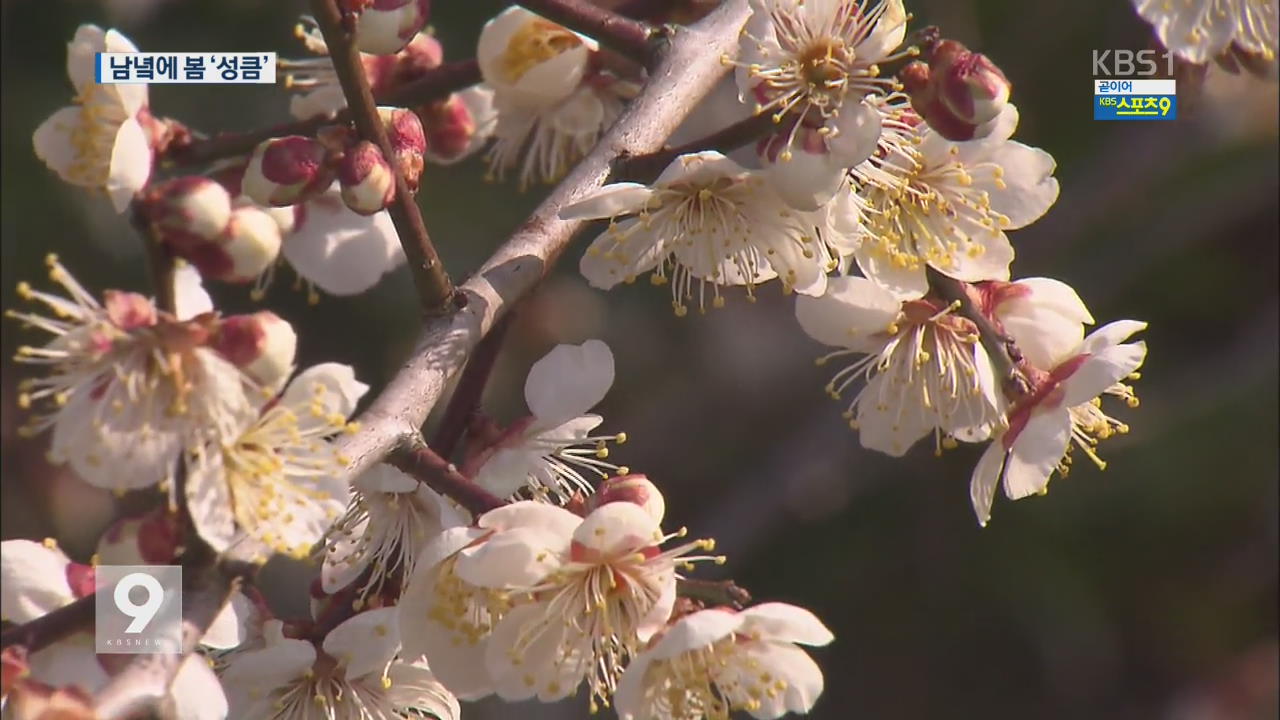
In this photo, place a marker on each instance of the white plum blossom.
(357, 673)
(1045, 317)
(462, 586)
(817, 61)
(705, 221)
(130, 387)
(39, 578)
(713, 662)
(928, 201)
(100, 142)
(548, 452)
(389, 518)
(605, 589)
(923, 369)
(1201, 30)
(1063, 409)
(338, 251)
(277, 479)
(550, 104)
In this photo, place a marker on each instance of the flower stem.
(1001, 348)
(420, 462)
(465, 400)
(435, 290)
(632, 38)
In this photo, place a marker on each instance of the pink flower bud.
(368, 184)
(449, 127)
(242, 252)
(193, 206)
(129, 311)
(637, 489)
(972, 87)
(150, 539)
(408, 142)
(384, 27)
(261, 344)
(286, 171)
(13, 667)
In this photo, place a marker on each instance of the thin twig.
(632, 38)
(644, 168)
(465, 400)
(433, 84)
(160, 262)
(714, 592)
(427, 467)
(688, 69)
(999, 346)
(435, 290)
(51, 627)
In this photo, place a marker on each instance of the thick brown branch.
(435, 290)
(432, 85)
(644, 168)
(52, 627)
(465, 400)
(632, 38)
(689, 68)
(160, 262)
(714, 592)
(427, 467)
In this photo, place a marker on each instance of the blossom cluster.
(881, 193)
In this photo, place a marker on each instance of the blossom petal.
(196, 692)
(849, 314)
(459, 665)
(130, 164)
(1046, 323)
(1026, 188)
(1036, 452)
(190, 297)
(208, 499)
(985, 480)
(385, 478)
(414, 686)
(341, 390)
(52, 140)
(889, 32)
(905, 283)
(857, 133)
(88, 41)
(1102, 370)
(553, 674)
(990, 264)
(785, 623)
(617, 527)
(230, 626)
(519, 557)
(1112, 333)
(807, 181)
(568, 382)
(69, 662)
(341, 252)
(364, 643)
(891, 428)
(609, 201)
(277, 664)
(34, 580)
(695, 631)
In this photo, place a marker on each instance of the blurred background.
(1146, 591)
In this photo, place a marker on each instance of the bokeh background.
(1146, 591)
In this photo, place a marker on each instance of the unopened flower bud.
(386, 26)
(408, 142)
(368, 183)
(242, 252)
(449, 127)
(971, 86)
(636, 489)
(150, 539)
(13, 667)
(261, 344)
(423, 53)
(286, 217)
(192, 206)
(286, 171)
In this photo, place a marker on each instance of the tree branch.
(427, 467)
(160, 262)
(644, 168)
(632, 38)
(435, 290)
(465, 400)
(688, 69)
(714, 592)
(51, 627)
(1000, 347)
(433, 84)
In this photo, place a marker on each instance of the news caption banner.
(185, 68)
(138, 609)
(1135, 100)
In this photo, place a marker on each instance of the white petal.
(1112, 333)
(888, 34)
(609, 201)
(808, 180)
(857, 133)
(324, 100)
(230, 626)
(415, 686)
(1101, 370)
(209, 501)
(694, 631)
(69, 662)
(985, 480)
(52, 140)
(1048, 323)
(569, 381)
(34, 580)
(130, 164)
(793, 666)
(893, 428)
(991, 264)
(1036, 451)
(519, 557)
(196, 692)
(542, 658)
(904, 283)
(459, 665)
(644, 250)
(1027, 188)
(365, 643)
(852, 311)
(617, 527)
(190, 298)
(89, 40)
(342, 390)
(635, 694)
(341, 252)
(507, 470)
(785, 623)
(277, 664)
(385, 478)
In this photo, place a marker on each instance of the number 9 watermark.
(138, 609)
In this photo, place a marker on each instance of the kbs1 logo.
(138, 609)
(1130, 90)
